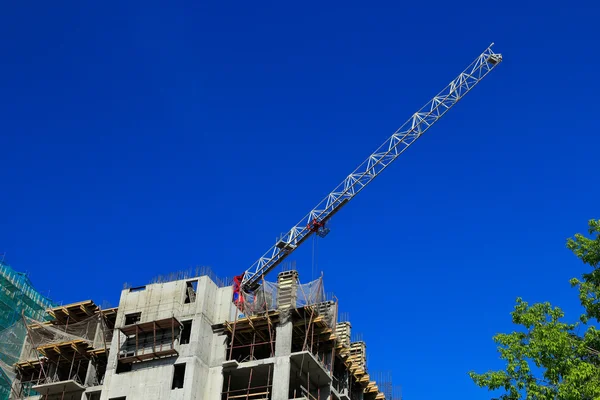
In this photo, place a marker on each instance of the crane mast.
(316, 220)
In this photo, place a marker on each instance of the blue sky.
(140, 138)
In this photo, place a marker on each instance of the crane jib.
(316, 220)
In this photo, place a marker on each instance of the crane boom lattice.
(315, 221)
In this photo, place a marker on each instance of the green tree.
(547, 358)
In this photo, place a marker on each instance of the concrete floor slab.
(306, 361)
(58, 387)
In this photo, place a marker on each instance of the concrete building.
(185, 339)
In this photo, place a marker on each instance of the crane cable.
(315, 249)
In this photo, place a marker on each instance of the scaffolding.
(57, 355)
(314, 332)
(17, 297)
(11, 343)
(251, 338)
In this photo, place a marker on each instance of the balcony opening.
(148, 340)
(248, 383)
(307, 379)
(178, 376)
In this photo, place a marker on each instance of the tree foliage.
(546, 358)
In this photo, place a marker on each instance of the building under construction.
(186, 339)
(199, 338)
(18, 298)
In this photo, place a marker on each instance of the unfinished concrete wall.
(154, 379)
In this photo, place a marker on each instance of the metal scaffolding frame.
(261, 326)
(59, 353)
(261, 392)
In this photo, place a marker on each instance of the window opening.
(178, 376)
(191, 288)
(133, 318)
(186, 332)
(93, 395)
(123, 367)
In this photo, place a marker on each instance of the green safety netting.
(18, 299)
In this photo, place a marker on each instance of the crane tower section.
(316, 220)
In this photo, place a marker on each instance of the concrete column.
(281, 370)
(283, 339)
(281, 379)
(214, 384)
(90, 374)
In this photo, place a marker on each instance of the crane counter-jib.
(315, 221)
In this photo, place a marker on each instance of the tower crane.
(315, 222)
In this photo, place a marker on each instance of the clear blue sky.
(139, 139)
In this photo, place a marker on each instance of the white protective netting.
(310, 293)
(7, 371)
(41, 334)
(18, 343)
(265, 297)
(11, 344)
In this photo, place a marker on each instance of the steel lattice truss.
(402, 139)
